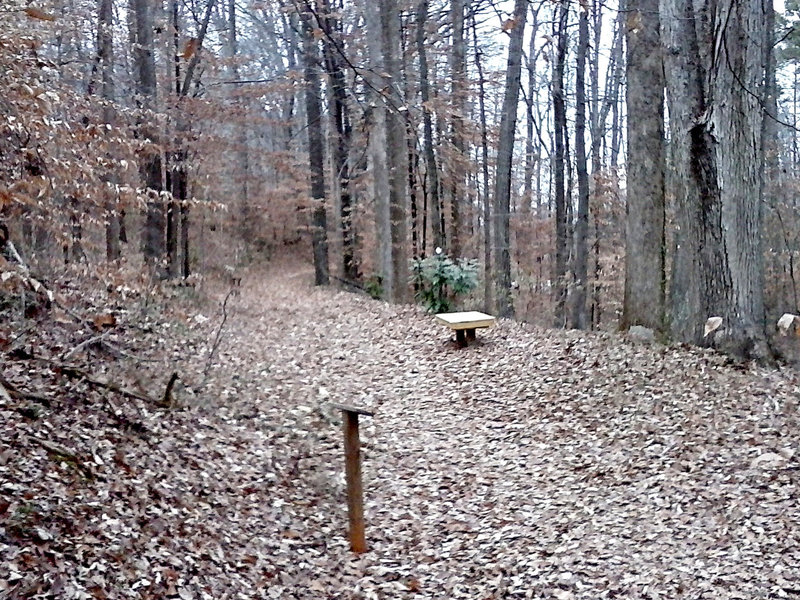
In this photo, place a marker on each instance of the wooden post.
(355, 493)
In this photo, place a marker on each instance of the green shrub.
(439, 279)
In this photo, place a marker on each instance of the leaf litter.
(531, 464)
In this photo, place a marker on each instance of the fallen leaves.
(532, 464)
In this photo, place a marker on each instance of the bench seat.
(465, 324)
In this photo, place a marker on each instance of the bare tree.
(505, 152)
(716, 96)
(319, 223)
(645, 245)
(579, 318)
(559, 166)
(153, 234)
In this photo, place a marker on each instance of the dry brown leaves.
(532, 464)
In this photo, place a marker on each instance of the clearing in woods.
(531, 464)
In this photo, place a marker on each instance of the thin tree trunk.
(487, 199)
(105, 45)
(319, 224)
(395, 150)
(559, 160)
(458, 67)
(431, 167)
(505, 152)
(340, 113)
(581, 261)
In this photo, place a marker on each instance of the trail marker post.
(352, 461)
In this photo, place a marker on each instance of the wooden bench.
(465, 324)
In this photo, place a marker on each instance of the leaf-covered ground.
(532, 464)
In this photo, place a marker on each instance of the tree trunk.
(458, 67)
(579, 290)
(332, 45)
(431, 168)
(487, 199)
(505, 152)
(643, 302)
(395, 150)
(246, 217)
(153, 235)
(378, 148)
(105, 52)
(319, 224)
(559, 162)
(716, 95)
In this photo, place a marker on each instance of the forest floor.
(532, 464)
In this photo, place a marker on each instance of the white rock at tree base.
(637, 333)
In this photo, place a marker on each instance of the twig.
(13, 391)
(73, 371)
(215, 345)
(167, 400)
(84, 344)
(61, 453)
(122, 353)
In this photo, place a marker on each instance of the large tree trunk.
(396, 150)
(378, 149)
(645, 246)
(319, 223)
(715, 58)
(505, 152)
(153, 234)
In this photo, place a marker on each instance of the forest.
(554, 143)
(220, 220)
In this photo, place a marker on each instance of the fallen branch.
(85, 344)
(215, 345)
(167, 399)
(9, 390)
(73, 371)
(63, 454)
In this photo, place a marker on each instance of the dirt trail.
(532, 464)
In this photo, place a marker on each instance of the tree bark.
(505, 152)
(395, 288)
(332, 46)
(105, 52)
(153, 234)
(319, 223)
(579, 290)
(458, 68)
(559, 165)
(715, 59)
(487, 199)
(644, 301)
(431, 168)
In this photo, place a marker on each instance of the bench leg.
(471, 334)
(461, 338)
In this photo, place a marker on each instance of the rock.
(768, 460)
(637, 333)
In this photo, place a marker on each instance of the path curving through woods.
(531, 464)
